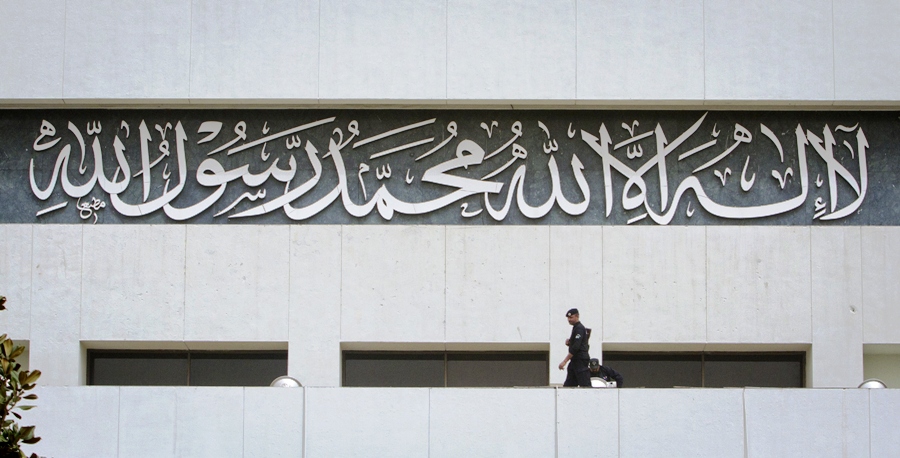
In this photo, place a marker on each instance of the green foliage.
(14, 384)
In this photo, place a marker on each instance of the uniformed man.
(604, 373)
(578, 372)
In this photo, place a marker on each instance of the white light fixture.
(285, 382)
(872, 383)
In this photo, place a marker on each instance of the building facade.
(347, 185)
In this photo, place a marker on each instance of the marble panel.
(880, 289)
(15, 279)
(654, 284)
(768, 50)
(209, 421)
(273, 422)
(866, 62)
(241, 51)
(314, 345)
(393, 283)
(56, 304)
(127, 50)
(883, 408)
(498, 284)
(32, 40)
(758, 284)
(511, 50)
(587, 422)
(807, 422)
(486, 422)
(375, 49)
(837, 325)
(237, 283)
(367, 422)
(147, 421)
(640, 50)
(133, 282)
(681, 422)
(75, 421)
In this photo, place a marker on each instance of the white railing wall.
(101, 422)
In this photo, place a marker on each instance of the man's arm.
(576, 340)
(572, 341)
(562, 365)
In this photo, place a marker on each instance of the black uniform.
(578, 373)
(609, 374)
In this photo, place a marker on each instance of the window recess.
(445, 369)
(709, 369)
(185, 368)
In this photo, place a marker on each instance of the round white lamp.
(872, 383)
(286, 382)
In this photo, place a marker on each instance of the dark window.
(497, 369)
(710, 370)
(393, 369)
(144, 368)
(656, 370)
(759, 370)
(180, 368)
(438, 369)
(236, 368)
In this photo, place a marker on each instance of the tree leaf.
(32, 377)
(17, 352)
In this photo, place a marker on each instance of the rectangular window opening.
(184, 368)
(709, 369)
(882, 362)
(445, 369)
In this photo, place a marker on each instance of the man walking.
(578, 372)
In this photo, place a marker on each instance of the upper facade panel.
(456, 53)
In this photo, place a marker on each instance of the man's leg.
(571, 379)
(584, 378)
(582, 373)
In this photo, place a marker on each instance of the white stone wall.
(454, 52)
(315, 289)
(99, 422)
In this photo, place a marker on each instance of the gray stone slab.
(449, 167)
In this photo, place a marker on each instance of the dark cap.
(572, 312)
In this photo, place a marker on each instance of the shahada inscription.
(449, 167)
